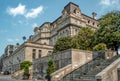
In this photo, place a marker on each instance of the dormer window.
(93, 23)
(88, 21)
(75, 11)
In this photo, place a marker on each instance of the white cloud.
(23, 11)
(12, 40)
(19, 10)
(109, 5)
(16, 39)
(109, 2)
(34, 12)
(34, 25)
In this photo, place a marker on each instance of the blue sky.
(19, 17)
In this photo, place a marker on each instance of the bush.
(100, 46)
(25, 66)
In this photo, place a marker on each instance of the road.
(8, 78)
(5, 78)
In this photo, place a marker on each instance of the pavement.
(8, 78)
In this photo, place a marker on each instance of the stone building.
(41, 43)
(72, 64)
(1, 62)
(68, 24)
(9, 50)
(26, 52)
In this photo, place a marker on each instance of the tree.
(109, 31)
(74, 42)
(51, 68)
(17, 44)
(85, 38)
(25, 66)
(62, 43)
(100, 46)
(24, 38)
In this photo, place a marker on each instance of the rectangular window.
(39, 53)
(49, 52)
(34, 53)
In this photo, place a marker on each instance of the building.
(9, 50)
(72, 64)
(1, 62)
(26, 52)
(41, 43)
(68, 24)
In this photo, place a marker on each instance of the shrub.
(100, 46)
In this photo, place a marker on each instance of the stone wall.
(61, 59)
(78, 58)
(66, 62)
(110, 73)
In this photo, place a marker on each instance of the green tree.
(85, 38)
(74, 42)
(25, 66)
(24, 38)
(62, 43)
(100, 46)
(51, 68)
(109, 31)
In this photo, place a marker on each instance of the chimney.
(94, 15)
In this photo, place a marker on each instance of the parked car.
(6, 73)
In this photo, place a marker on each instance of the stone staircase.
(88, 71)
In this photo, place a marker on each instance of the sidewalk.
(28, 80)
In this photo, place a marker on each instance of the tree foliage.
(81, 41)
(74, 42)
(85, 38)
(51, 67)
(99, 47)
(109, 31)
(62, 43)
(25, 65)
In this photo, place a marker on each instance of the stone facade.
(9, 50)
(68, 24)
(26, 52)
(1, 62)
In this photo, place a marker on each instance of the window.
(39, 53)
(34, 53)
(88, 21)
(49, 52)
(93, 23)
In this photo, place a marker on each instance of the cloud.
(12, 40)
(16, 39)
(34, 25)
(19, 10)
(109, 2)
(109, 5)
(23, 11)
(34, 12)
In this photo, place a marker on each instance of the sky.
(19, 17)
